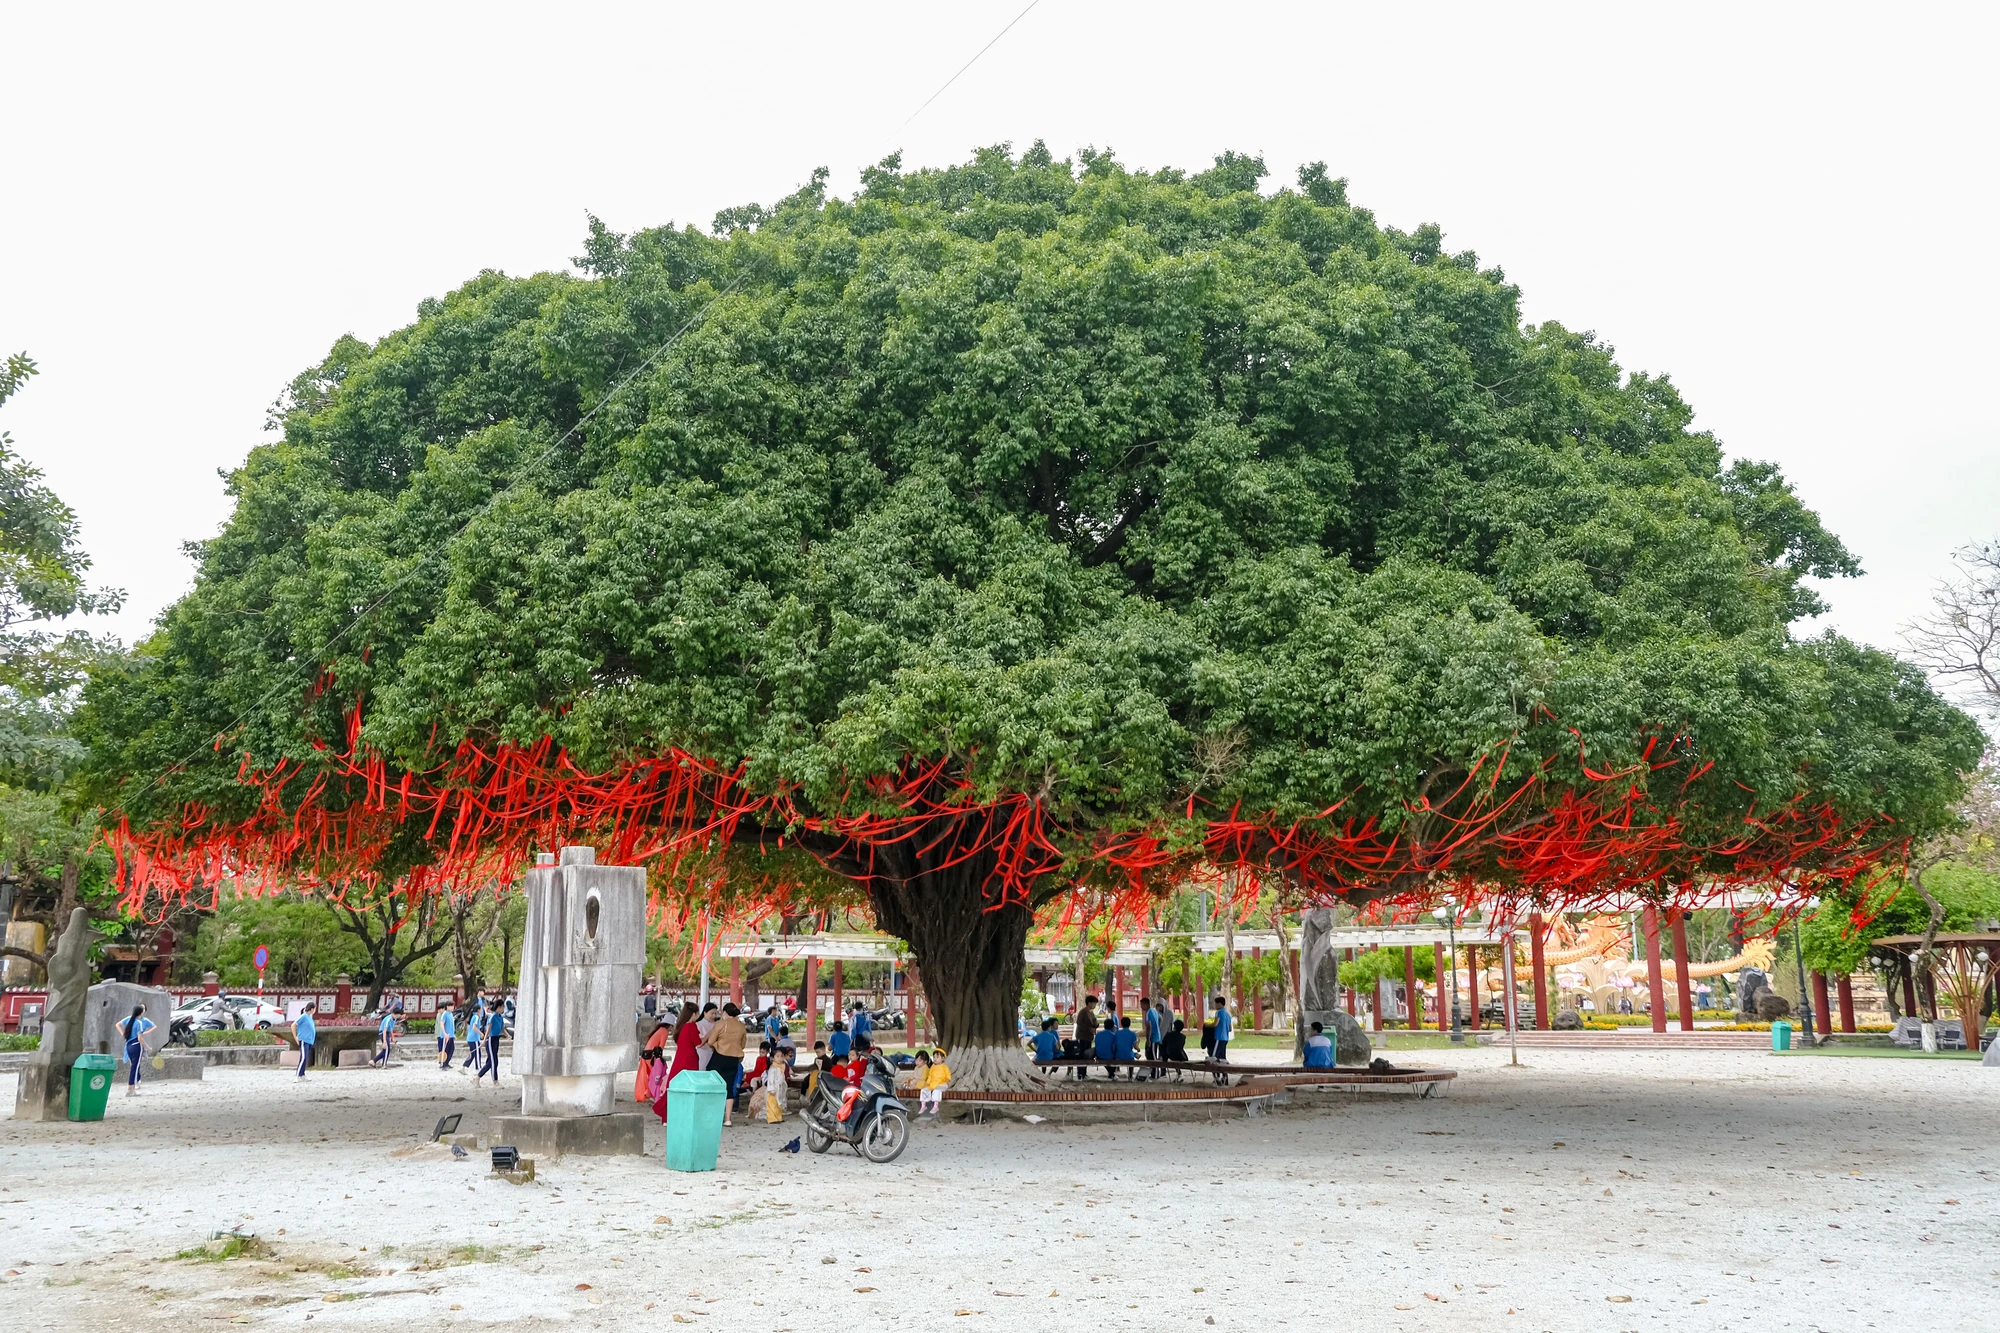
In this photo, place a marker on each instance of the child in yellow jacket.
(936, 1078)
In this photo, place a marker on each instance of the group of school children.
(1114, 1040)
(714, 1039)
(484, 1024)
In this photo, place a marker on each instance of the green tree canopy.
(1140, 497)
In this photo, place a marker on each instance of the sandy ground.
(1589, 1191)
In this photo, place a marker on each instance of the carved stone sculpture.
(1772, 1006)
(1319, 965)
(580, 962)
(1750, 983)
(1319, 986)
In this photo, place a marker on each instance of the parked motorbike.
(888, 1018)
(181, 1031)
(877, 1125)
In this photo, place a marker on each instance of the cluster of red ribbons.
(349, 826)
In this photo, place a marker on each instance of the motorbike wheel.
(886, 1137)
(817, 1139)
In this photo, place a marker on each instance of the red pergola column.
(1683, 983)
(812, 1002)
(1146, 986)
(839, 989)
(1656, 988)
(1909, 992)
(1822, 1007)
(1536, 932)
(1410, 985)
(1375, 1004)
(1352, 1011)
(1439, 970)
(1846, 993)
(1472, 986)
(909, 1006)
(736, 981)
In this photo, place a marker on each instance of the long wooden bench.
(1259, 1090)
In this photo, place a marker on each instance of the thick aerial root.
(993, 1069)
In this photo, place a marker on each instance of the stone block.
(334, 1042)
(355, 1058)
(179, 1065)
(110, 1003)
(43, 1090)
(622, 1133)
(1350, 1040)
(267, 1057)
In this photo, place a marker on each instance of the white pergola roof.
(882, 949)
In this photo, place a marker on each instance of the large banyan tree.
(1008, 528)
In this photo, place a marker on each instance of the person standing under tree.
(726, 1040)
(306, 1031)
(1225, 1027)
(135, 1027)
(475, 1038)
(496, 1028)
(447, 1034)
(687, 1040)
(385, 1033)
(1086, 1035)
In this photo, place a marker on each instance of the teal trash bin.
(90, 1085)
(1781, 1036)
(694, 1120)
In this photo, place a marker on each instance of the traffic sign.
(262, 957)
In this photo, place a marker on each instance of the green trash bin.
(90, 1085)
(1781, 1036)
(694, 1120)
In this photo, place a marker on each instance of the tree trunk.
(1296, 1004)
(968, 949)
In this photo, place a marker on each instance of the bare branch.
(1959, 642)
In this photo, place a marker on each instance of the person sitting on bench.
(1319, 1049)
(1125, 1042)
(1105, 1047)
(1173, 1046)
(1048, 1042)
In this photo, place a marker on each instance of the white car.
(250, 1012)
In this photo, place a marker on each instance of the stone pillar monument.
(581, 956)
(1319, 987)
(43, 1092)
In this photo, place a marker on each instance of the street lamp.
(1450, 919)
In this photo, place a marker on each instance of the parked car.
(249, 1012)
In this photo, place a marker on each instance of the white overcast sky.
(1787, 208)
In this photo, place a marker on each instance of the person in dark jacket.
(1086, 1035)
(1173, 1046)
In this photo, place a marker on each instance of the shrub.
(19, 1041)
(235, 1038)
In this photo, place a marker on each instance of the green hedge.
(19, 1041)
(234, 1038)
